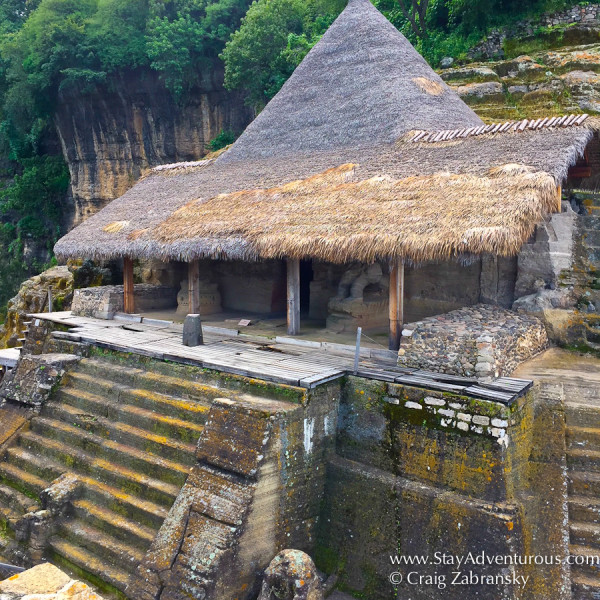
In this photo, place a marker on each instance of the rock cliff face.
(132, 122)
(543, 84)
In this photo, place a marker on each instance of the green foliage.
(220, 141)
(30, 211)
(274, 37)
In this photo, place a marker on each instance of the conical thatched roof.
(362, 84)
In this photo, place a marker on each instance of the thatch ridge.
(447, 135)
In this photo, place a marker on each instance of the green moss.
(328, 560)
(59, 560)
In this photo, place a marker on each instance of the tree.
(274, 37)
(415, 12)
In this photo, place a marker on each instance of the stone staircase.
(129, 435)
(583, 460)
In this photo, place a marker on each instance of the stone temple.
(365, 198)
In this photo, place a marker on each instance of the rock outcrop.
(543, 84)
(133, 122)
(32, 298)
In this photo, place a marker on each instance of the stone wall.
(558, 273)
(482, 341)
(104, 301)
(253, 287)
(255, 490)
(492, 46)
(407, 480)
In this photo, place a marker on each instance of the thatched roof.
(182, 213)
(335, 215)
(361, 97)
(362, 83)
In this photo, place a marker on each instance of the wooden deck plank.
(306, 365)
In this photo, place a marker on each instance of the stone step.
(585, 534)
(69, 458)
(585, 510)
(188, 410)
(84, 562)
(26, 465)
(23, 480)
(178, 429)
(584, 483)
(174, 450)
(16, 500)
(165, 470)
(591, 555)
(154, 380)
(103, 545)
(587, 438)
(116, 525)
(585, 587)
(583, 459)
(138, 510)
(582, 415)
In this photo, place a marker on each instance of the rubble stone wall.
(481, 340)
(103, 302)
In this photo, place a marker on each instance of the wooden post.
(396, 311)
(128, 297)
(559, 198)
(293, 296)
(194, 287)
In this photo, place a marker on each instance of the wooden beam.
(559, 198)
(128, 296)
(293, 296)
(396, 306)
(194, 287)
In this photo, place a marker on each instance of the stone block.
(192, 331)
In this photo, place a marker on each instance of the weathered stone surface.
(136, 125)
(104, 301)
(44, 578)
(481, 92)
(33, 298)
(291, 575)
(482, 340)
(257, 487)
(35, 376)
(192, 331)
(416, 487)
(45, 582)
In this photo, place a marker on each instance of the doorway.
(306, 276)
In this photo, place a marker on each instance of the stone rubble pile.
(481, 341)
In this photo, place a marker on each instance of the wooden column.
(396, 304)
(293, 296)
(559, 198)
(194, 287)
(128, 297)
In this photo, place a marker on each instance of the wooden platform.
(281, 360)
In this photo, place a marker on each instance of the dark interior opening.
(306, 276)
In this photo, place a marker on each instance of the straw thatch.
(153, 201)
(333, 216)
(362, 83)
(362, 96)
